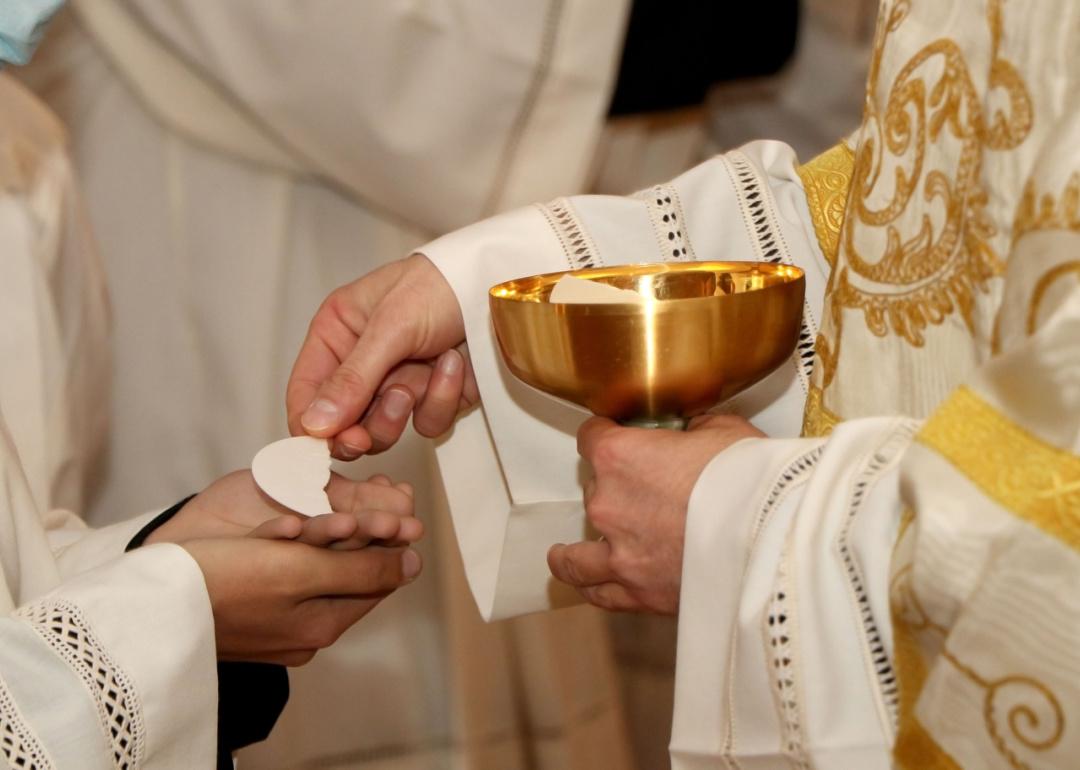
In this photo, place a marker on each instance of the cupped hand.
(637, 501)
(234, 505)
(280, 602)
(381, 348)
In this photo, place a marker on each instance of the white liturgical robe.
(240, 160)
(898, 586)
(106, 659)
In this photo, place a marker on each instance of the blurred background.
(240, 160)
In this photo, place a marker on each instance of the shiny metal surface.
(706, 331)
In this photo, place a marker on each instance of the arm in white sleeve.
(525, 494)
(784, 628)
(902, 595)
(113, 667)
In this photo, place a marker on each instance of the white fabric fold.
(785, 592)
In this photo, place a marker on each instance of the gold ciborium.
(704, 332)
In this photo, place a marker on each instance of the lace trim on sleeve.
(668, 222)
(878, 657)
(769, 245)
(578, 247)
(779, 633)
(64, 628)
(21, 748)
(794, 474)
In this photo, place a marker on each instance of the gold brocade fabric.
(817, 420)
(826, 180)
(1037, 482)
(924, 236)
(955, 296)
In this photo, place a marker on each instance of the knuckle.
(572, 570)
(608, 452)
(601, 597)
(346, 379)
(384, 572)
(599, 512)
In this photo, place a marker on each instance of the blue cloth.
(22, 23)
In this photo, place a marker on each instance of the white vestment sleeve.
(512, 472)
(784, 629)
(115, 668)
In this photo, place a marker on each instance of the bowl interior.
(663, 281)
(705, 331)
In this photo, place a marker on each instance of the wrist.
(160, 529)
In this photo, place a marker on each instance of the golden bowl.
(706, 331)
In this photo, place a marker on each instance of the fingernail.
(322, 414)
(450, 363)
(410, 564)
(396, 404)
(350, 452)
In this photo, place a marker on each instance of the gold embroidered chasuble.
(899, 585)
(951, 219)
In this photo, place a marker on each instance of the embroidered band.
(64, 628)
(769, 245)
(20, 746)
(669, 223)
(1038, 482)
(579, 248)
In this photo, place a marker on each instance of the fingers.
(591, 434)
(436, 411)
(351, 443)
(347, 392)
(367, 572)
(581, 564)
(612, 597)
(322, 531)
(389, 417)
(285, 527)
(350, 496)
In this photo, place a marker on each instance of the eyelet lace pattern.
(769, 245)
(20, 746)
(579, 248)
(64, 628)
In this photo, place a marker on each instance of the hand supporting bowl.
(706, 331)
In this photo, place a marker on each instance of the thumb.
(345, 395)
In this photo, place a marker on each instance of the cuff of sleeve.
(154, 523)
(725, 526)
(149, 612)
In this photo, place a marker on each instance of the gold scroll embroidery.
(826, 180)
(1047, 212)
(1038, 482)
(1045, 282)
(924, 276)
(817, 419)
(915, 748)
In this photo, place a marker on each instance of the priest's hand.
(281, 602)
(233, 506)
(381, 348)
(637, 500)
